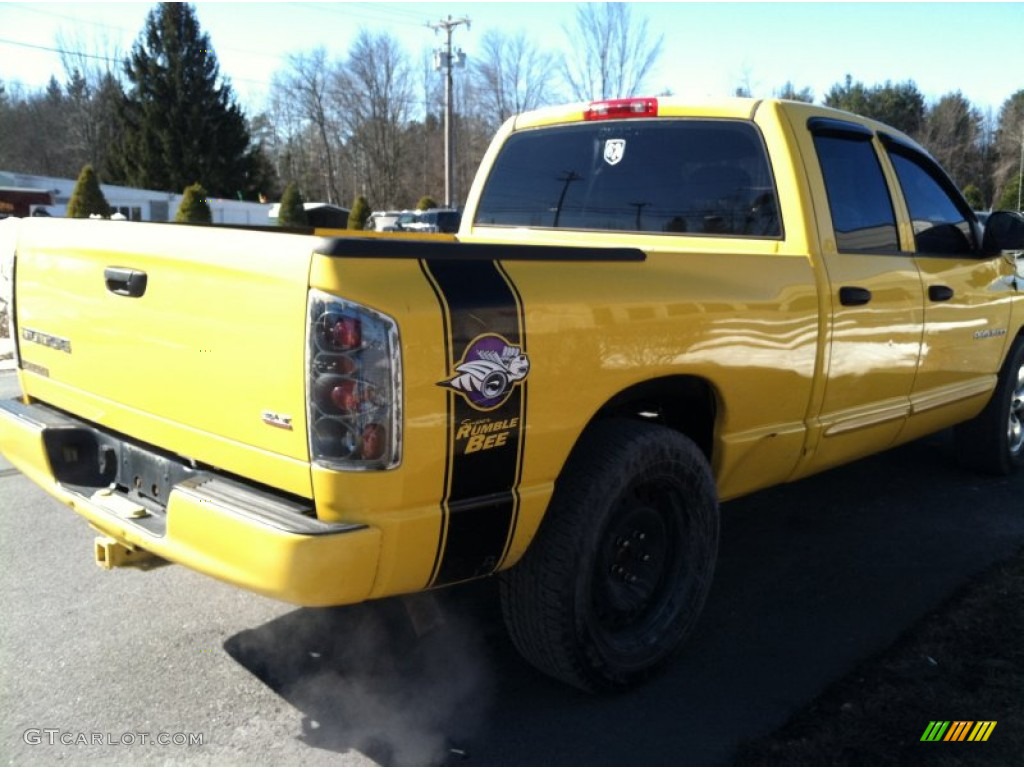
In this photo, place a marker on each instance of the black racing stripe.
(445, 335)
(523, 391)
(485, 441)
(436, 251)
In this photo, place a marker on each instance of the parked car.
(389, 221)
(429, 220)
(436, 220)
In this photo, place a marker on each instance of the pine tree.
(973, 196)
(292, 213)
(1010, 199)
(179, 120)
(194, 208)
(87, 199)
(359, 213)
(900, 105)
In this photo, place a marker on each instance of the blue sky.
(709, 48)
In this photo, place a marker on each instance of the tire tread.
(538, 594)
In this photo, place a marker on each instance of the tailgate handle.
(125, 282)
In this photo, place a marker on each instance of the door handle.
(852, 296)
(124, 281)
(940, 292)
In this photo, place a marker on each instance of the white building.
(138, 204)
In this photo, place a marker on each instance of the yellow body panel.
(215, 341)
(206, 536)
(964, 341)
(797, 382)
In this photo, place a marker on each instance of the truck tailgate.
(187, 338)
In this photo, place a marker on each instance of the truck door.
(874, 310)
(966, 296)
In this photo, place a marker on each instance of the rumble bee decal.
(488, 371)
(484, 434)
(485, 380)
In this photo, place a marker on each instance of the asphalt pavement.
(813, 577)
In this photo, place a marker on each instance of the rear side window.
(858, 197)
(940, 225)
(705, 177)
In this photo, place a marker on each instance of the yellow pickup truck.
(649, 306)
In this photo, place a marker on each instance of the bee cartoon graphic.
(488, 371)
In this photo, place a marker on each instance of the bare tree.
(473, 134)
(745, 87)
(425, 173)
(612, 54)
(511, 75)
(32, 130)
(93, 92)
(307, 81)
(291, 140)
(49, 118)
(374, 92)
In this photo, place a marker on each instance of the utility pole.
(444, 59)
(1020, 169)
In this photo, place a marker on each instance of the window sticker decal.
(614, 150)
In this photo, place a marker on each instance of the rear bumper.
(216, 525)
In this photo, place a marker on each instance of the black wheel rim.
(1015, 426)
(639, 565)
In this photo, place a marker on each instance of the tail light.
(354, 386)
(615, 109)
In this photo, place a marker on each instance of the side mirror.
(1004, 231)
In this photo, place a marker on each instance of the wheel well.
(686, 404)
(1013, 342)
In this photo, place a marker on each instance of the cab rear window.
(704, 177)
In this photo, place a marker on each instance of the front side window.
(940, 225)
(705, 177)
(858, 197)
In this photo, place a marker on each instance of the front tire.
(623, 561)
(993, 442)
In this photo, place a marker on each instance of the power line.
(373, 12)
(109, 59)
(35, 8)
(379, 12)
(125, 30)
(4, 41)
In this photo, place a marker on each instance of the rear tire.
(623, 561)
(993, 441)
